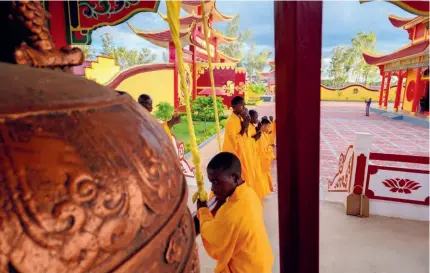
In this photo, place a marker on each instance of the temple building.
(409, 63)
(230, 80)
(269, 77)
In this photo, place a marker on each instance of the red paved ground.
(340, 121)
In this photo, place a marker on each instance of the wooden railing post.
(362, 145)
(356, 202)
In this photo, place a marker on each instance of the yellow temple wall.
(156, 80)
(158, 84)
(412, 76)
(102, 70)
(354, 93)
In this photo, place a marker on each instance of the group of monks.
(233, 232)
(252, 141)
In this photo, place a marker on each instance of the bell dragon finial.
(27, 38)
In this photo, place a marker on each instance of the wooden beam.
(298, 62)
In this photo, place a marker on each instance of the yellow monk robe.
(261, 186)
(240, 146)
(166, 129)
(267, 156)
(272, 136)
(236, 237)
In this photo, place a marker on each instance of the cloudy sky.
(342, 20)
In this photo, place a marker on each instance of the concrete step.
(392, 115)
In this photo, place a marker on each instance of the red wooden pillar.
(398, 91)
(57, 25)
(405, 75)
(381, 92)
(387, 91)
(298, 61)
(173, 59)
(193, 50)
(216, 50)
(417, 92)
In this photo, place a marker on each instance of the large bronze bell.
(89, 181)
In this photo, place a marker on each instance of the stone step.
(392, 115)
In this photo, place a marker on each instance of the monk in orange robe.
(236, 236)
(267, 154)
(258, 144)
(271, 134)
(146, 101)
(236, 140)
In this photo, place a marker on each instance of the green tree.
(123, 56)
(256, 61)
(347, 62)
(89, 52)
(164, 111)
(203, 109)
(235, 48)
(354, 64)
(336, 69)
(257, 89)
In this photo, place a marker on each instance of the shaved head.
(225, 162)
(224, 174)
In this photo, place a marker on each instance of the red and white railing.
(342, 180)
(392, 190)
(396, 184)
(187, 170)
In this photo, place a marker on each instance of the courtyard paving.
(350, 244)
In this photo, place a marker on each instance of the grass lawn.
(181, 130)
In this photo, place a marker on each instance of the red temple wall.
(224, 77)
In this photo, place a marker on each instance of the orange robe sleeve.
(219, 238)
(236, 236)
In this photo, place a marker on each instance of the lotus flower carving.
(401, 185)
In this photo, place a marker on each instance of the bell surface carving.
(89, 181)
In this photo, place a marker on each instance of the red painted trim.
(201, 56)
(136, 70)
(360, 170)
(426, 113)
(352, 85)
(400, 158)
(371, 195)
(57, 26)
(411, 50)
(399, 22)
(298, 69)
